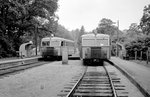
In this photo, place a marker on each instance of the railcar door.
(96, 52)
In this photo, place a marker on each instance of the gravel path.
(42, 81)
(140, 73)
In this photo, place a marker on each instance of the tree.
(82, 31)
(140, 44)
(43, 10)
(133, 31)
(63, 32)
(75, 34)
(145, 20)
(9, 27)
(106, 27)
(17, 19)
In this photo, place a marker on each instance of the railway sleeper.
(95, 77)
(92, 95)
(96, 73)
(92, 91)
(95, 85)
(118, 85)
(120, 92)
(99, 88)
(95, 80)
(90, 82)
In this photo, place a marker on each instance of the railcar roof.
(93, 35)
(46, 39)
(56, 38)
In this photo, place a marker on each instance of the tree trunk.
(135, 55)
(147, 56)
(141, 55)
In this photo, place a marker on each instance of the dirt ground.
(42, 81)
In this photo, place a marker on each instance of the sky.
(76, 13)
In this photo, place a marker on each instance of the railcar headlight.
(101, 44)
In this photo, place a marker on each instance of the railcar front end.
(51, 47)
(48, 52)
(95, 49)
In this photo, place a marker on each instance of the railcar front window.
(45, 43)
(55, 43)
(102, 42)
(88, 42)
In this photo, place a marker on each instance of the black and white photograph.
(74, 48)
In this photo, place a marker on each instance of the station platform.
(74, 56)
(140, 73)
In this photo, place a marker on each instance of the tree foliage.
(139, 44)
(133, 31)
(106, 27)
(145, 20)
(76, 34)
(137, 38)
(18, 18)
(63, 32)
(81, 32)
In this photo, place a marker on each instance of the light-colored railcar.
(95, 48)
(51, 47)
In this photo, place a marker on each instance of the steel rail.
(112, 85)
(18, 68)
(18, 60)
(75, 86)
(17, 65)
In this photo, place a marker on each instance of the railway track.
(14, 67)
(101, 81)
(95, 82)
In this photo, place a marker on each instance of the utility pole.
(36, 31)
(117, 38)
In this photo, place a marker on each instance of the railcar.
(95, 48)
(51, 47)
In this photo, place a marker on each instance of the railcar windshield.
(102, 42)
(45, 43)
(88, 42)
(95, 42)
(55, 43)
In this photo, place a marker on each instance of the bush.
(140, 44)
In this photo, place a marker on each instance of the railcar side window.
(62, 43)
(67, 44)
(48, 43)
